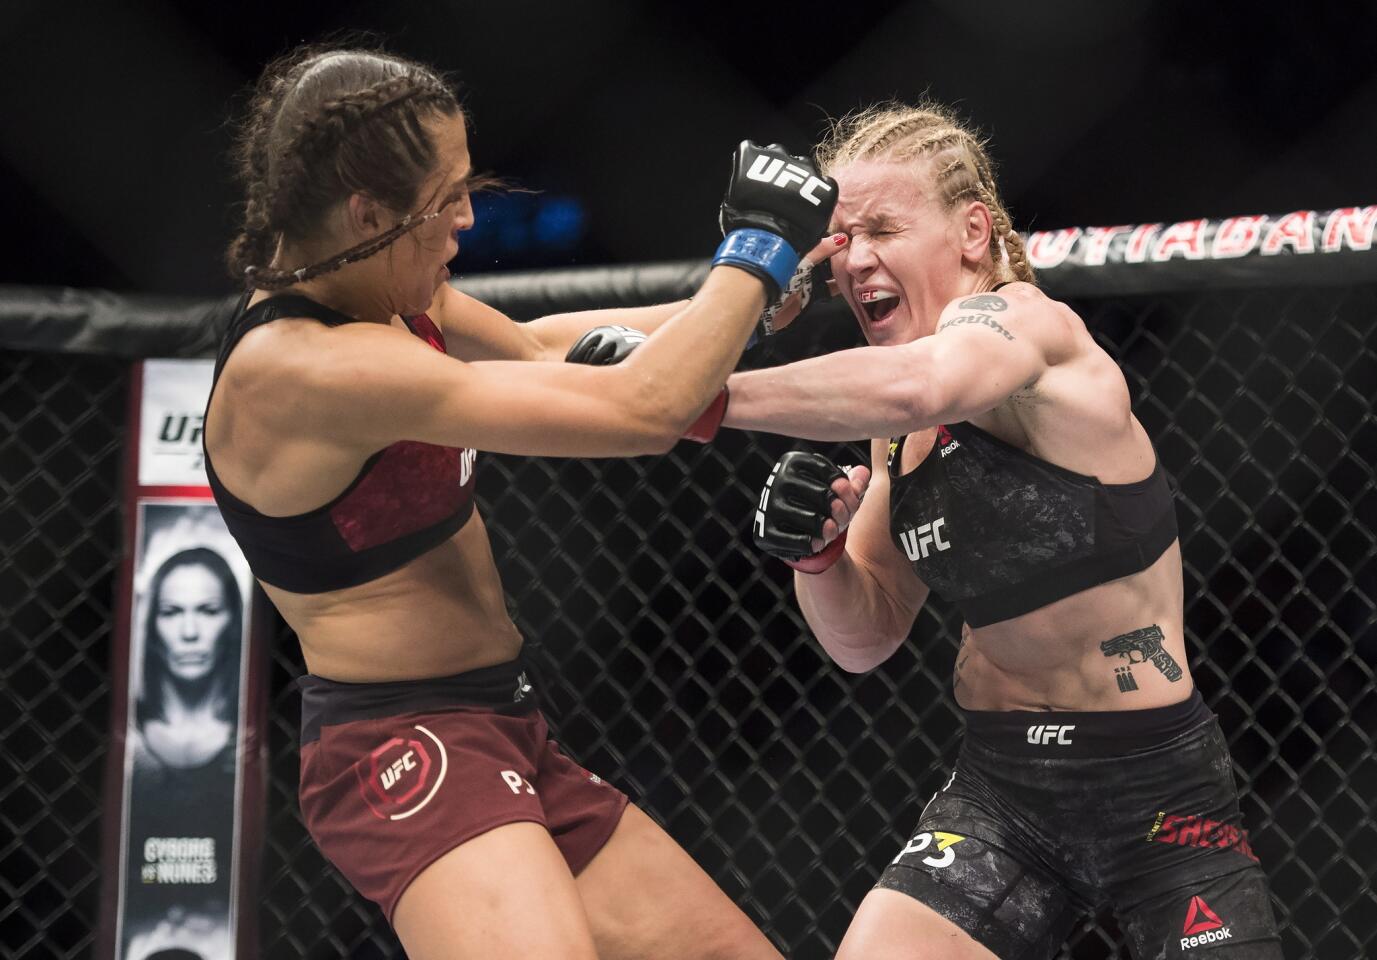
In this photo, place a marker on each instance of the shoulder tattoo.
(989, 302)
(983, 319)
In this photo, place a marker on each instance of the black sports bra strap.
(291, 305)
(281, 306)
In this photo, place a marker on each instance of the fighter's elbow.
(655, 433)
(855, 665)
(651, 421)
(861, 657)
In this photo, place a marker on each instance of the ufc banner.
(184, 792)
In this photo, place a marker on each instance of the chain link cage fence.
(674, 660)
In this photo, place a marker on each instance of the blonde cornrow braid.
(897, 132)
(901, 133)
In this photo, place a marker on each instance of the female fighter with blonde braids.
(1012, 478)
(351, 392)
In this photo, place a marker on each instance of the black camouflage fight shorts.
(1050, 816)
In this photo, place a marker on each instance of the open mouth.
(878, 304)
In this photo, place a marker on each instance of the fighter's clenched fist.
(775, 210)
(804, 510)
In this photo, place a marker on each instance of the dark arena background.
(1238, 143)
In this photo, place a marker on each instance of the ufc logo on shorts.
(516, 781)
(392, 774)
(769, 169)
(917, 540)
(1045, 733)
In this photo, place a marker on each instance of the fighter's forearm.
(849, 395)
(849, 615)
(557, 332)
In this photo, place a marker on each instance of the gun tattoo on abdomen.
(1139, 646)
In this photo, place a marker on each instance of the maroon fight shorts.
(395, 775)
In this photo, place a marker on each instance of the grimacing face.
(190, 618)
(903, 264)
(422, 255)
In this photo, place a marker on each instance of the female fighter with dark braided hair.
(352, 389)
(1012, 478)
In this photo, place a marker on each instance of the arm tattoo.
(986, 301)
(1140, 646)
(984, 319)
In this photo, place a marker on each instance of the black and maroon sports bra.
(407, 499)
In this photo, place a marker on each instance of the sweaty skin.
(1013, 363)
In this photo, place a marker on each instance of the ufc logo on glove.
(774, 170)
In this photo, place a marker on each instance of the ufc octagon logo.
(773, 170)
(400, 777)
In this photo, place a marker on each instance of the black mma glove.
(606, 345)
(796, 501)
(775, 210)
(612, 343)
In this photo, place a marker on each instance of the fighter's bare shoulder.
(475, 331)
(1019, 311)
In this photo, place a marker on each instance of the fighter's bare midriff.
(1051, 659)
(441, 614)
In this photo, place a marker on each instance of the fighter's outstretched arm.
(476, 331)
(977, 359)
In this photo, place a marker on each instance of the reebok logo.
(946, 441)
(917, 540)
(1202, 926)
(1045, 733)
(773, 170)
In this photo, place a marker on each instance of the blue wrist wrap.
(761, 252)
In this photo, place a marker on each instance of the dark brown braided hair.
(897, 133)
(325, 123)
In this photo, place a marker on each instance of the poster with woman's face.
(181, 792)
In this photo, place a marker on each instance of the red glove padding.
(823, 559)
(705, 427)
